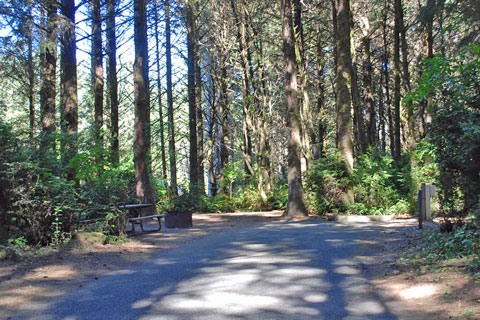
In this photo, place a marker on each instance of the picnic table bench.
(134, 216)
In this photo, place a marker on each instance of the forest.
(313, 106)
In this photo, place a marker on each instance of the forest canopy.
(312, 107)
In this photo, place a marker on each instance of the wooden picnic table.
(134, 216)
(135, 211)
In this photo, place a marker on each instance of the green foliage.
(102, 182)
(374, 182)
(452, 87)
(374, 186)
(232, 173)
(42, 205)
(325, 182)
(462, 242)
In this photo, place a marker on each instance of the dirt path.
(28, 285)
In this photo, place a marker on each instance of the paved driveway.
(308, 270)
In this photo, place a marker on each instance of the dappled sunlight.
(288, 271)
(365, 307)
(419, 291)
(346, 270)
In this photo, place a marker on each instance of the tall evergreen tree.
(144, 187)
(296, 205)
(69, 105)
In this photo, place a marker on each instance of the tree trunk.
(200, 129)
(192, 100)
(247, 122)
(386, 76)
(48, 91)
(211, 126)
(371, 130)
(343, 94)
(97, 77)
(224, 134)
(112, 80)
(296, 205)
(69, 87)
(159, 92)
(358, 112)
(305, 112)
(171, 127)
(406, 81)
(335, 62)
(317, 135)
(396, 66)
(31, 72)
(143, 188)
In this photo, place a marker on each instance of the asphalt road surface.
(309, 270)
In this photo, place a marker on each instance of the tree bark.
(112, 80)
(159, 92)
(31, 72)
(69, 98)
(144, 187)
(171, 127)
(247, 122)
(343, 94)
(48, 91)
(192, 100)
(406, 81)
(97, 77)
(358, 112)
(200, 128)
(386, 78)
(317, 135)
(296, 205)
(397, 66)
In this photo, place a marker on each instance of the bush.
(374, 184)
(42, 206)
(451, 86)
(325, 182)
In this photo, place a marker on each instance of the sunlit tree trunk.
(200, 118)
(318, 133)
(97, 76)
(171, 127)
(296, 204)
(396, 72)
(247, 122)
(69, 100)
(48, 91)
(144, 187)
(359, 131)
(31, 71)
(343, 94)
(159, 91)
(192, 100)
(112, 80)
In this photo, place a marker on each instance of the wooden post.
(428, 195)
(424, 201)
(420, 205)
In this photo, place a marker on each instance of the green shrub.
(42, 206)
(374, 184)
(325, 182)
(451, 86)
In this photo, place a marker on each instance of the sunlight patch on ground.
(346, 270)
(52, 272)
(316, 298)
(365, 307)
(420, 291)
